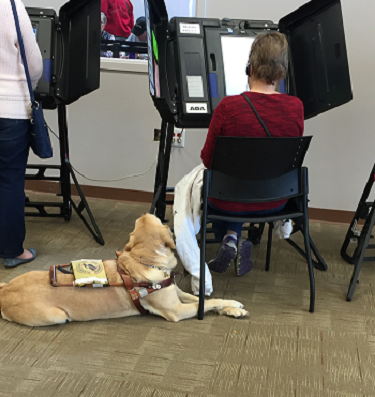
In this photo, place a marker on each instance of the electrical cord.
(107, 180)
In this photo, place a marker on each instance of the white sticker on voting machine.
(190, 28)
(195, 86)
(196, 108)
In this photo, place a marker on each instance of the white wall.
(111, 134)
(111, 130)
(175, 8)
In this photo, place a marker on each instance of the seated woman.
(284, 117)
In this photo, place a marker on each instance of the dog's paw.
(234, 312)
(231, 303)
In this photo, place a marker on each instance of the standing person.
(15, 112)
(139, 31)
(284, 117)
(139, 35)
(120, 18)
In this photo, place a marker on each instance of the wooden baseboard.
(107, 193)
(138, 196)
(331, 216)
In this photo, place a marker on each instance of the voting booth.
(70, 47)
(196, 62)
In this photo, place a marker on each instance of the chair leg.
(202, 275)
(320, 263)
(306, 235)
(354, 280)
(269, 245)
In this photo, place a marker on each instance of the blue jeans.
(14, 151)
(220, 227)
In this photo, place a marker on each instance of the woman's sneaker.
(243, 263)
(223, 257)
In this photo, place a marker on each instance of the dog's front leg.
(176, 311)
(185, 297)
(229, 311)
(166, 303)
(228, 307)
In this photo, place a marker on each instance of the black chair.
(256, 170)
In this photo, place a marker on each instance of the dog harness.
(136, 290)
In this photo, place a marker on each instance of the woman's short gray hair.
(104, 19)
(269, 57)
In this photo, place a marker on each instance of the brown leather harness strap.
(134, 294)
(145, 288)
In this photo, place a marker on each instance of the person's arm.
(216, 129)
(33, 55)
(131, 15)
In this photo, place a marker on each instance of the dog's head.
(150, 231)
(151, 242)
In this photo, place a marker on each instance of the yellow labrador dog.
(31, 300)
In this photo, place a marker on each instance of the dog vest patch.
(87, 271)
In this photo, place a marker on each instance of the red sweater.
(282, 114)
(120, 18)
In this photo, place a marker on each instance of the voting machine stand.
(366, 212)
(66, 171)
(160, 202)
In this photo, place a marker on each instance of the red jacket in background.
(120, 18)
(282, 114)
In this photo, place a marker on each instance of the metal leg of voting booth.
(159, 202)
(66, 171)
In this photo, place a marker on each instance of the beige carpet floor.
(280, 350)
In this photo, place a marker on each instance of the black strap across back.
(263, 124)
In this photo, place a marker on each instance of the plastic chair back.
(258, 169)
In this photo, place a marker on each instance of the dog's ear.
(130, 244)
(118, 253)
(168, 238)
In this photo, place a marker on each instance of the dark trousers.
(220, 227)
(14, 151)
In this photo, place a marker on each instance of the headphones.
(248, 66)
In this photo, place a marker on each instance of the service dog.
(147, 258)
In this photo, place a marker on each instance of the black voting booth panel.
(319, 70)
(196, 62)
(70, 47)
(44, 24)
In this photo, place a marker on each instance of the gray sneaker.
(243, 262)
(223, 257)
